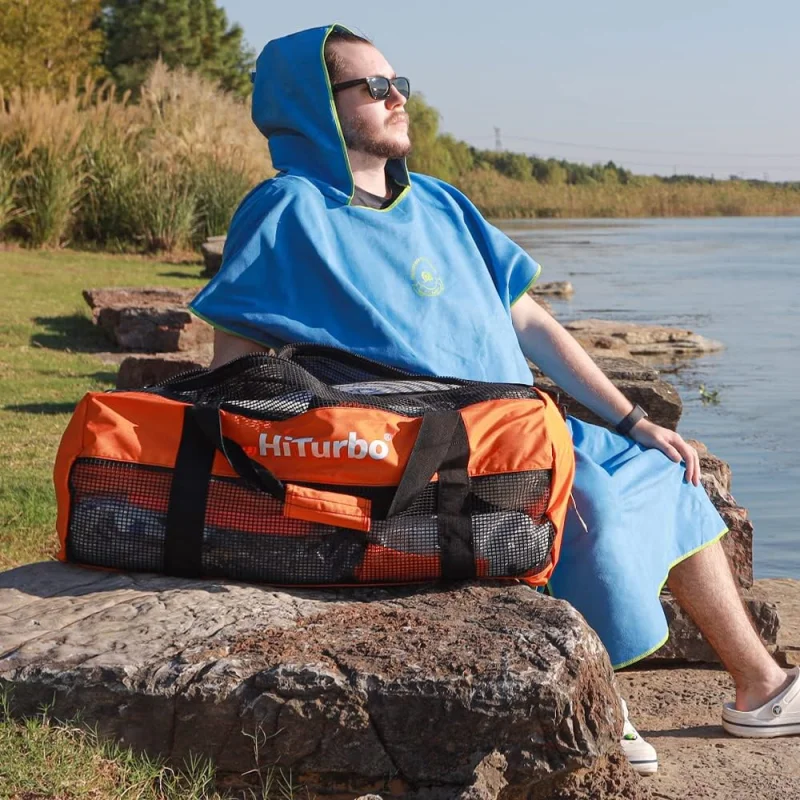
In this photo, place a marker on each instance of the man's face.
(375, 127)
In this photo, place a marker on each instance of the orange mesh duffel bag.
(316, 467)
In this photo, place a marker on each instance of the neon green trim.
(530, 283)
(217, 326)
(397, 199)
(673, 564)
(335, 115)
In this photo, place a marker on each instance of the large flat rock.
(153, 319)
(412, 692)
(635, 339)
(144, 369)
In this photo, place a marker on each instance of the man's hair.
(334, 63)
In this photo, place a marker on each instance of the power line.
(644, 150)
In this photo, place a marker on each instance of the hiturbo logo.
(307, 446)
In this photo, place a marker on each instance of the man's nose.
(395, 99)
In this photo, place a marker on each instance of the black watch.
(628, 421)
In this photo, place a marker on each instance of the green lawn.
(48, 360)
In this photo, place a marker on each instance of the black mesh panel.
(119, 511)
(271, 388)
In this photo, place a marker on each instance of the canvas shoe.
(641, 755)
(779, 716)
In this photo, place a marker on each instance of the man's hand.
(670, 443)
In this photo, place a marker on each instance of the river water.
(736, 280)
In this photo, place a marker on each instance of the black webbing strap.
(433, 443)
(454, 517)
(183, 545)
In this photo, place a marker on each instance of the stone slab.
(150, 319)
(400, 691)
(636, 339)
(145, 370)
(211, 250)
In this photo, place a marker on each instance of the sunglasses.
(379, 87)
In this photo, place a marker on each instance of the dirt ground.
(678, 711)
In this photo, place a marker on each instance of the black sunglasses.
(379, 87)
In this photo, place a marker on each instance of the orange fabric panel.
(327, 508)
(133, 426)
(562, 477)
(382, 564)
(68, 450)
(358, 445)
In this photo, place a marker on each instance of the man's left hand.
(670, 443)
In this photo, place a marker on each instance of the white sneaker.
(641, 755)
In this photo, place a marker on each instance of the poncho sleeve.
(262, 282)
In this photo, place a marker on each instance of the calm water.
(735, 280)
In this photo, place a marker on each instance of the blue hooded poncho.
(301, 264)
(427, 285)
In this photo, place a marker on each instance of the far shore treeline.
(126, 126)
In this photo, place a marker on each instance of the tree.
(190, 33)
(45, 43)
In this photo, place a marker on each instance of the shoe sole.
(645, 767)
(760, 731)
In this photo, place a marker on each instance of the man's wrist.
(625, 425)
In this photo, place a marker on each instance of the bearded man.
(345, 248)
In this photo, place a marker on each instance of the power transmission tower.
(498, 142)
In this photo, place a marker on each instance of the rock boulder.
(212, 255)
(634, 339)
(144, 370)
(409, 692)
(153, 320)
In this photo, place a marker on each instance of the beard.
(359, 136)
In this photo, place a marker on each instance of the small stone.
(211, 250)
(553, 288)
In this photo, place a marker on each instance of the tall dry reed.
(92, 167)
(499, 196)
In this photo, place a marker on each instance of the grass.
(47, 760)
(48, 361)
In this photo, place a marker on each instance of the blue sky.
(702, 87)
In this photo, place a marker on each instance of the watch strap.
(629, 420)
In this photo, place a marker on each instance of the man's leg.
(705, 588)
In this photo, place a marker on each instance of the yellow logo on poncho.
(425, 278)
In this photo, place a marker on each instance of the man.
(344, 248)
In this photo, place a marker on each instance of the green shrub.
(106, 217)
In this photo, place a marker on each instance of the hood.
(293, 107)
